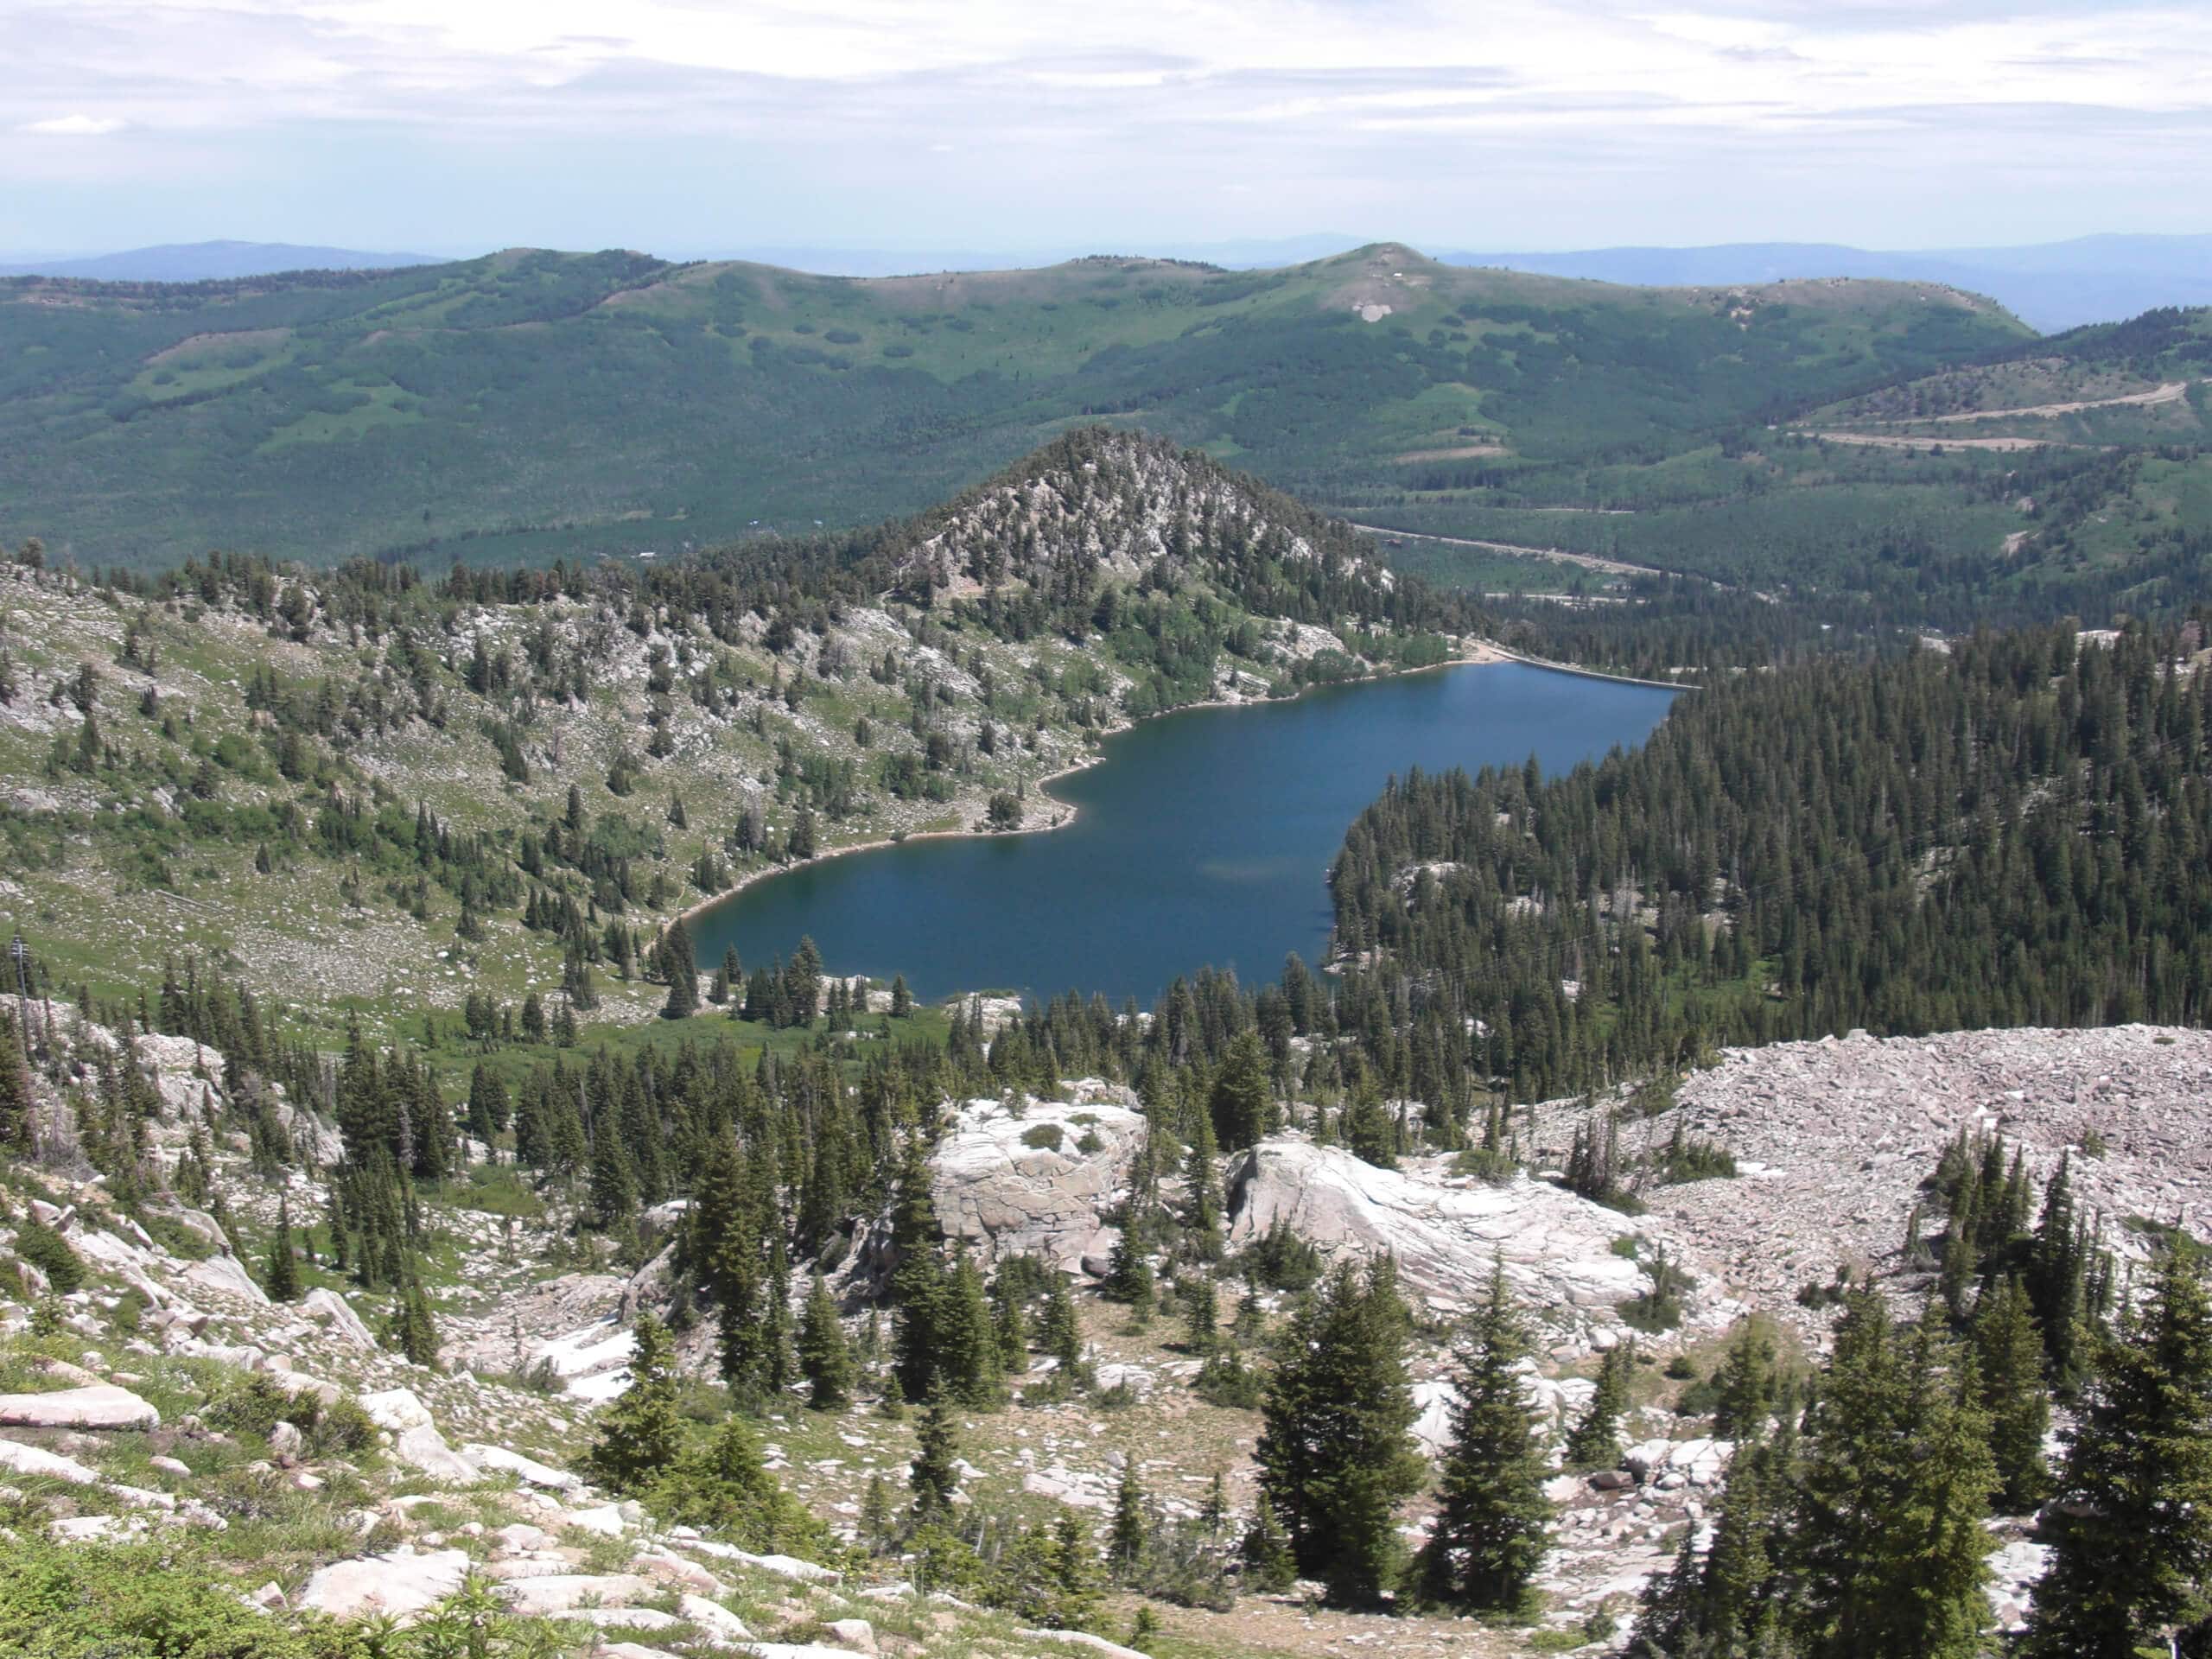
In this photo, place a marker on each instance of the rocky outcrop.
(500, 1460)
(327, 1307)
(1565, 1258)
(558, 1593)
(1039, 1180)
(1833, 1138)
(398, 1583)
(102, 1406)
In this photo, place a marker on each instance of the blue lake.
(1203, 838)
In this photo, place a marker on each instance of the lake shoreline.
(1477, 653)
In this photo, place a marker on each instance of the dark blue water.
(1201, 838)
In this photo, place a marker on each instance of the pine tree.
(1127, 1534)
(1213, 1514)
(935, 1476)
(16, 1119)
(1595, 1441)
(2008, 1363)
(2131, 1526)
(1335, 1458)
(417, 1332)
(1897, 1480)
(876, 1527)
(1062, 1338)
(825, 1359)
(282, 1282)
(1128, 1273)
(1493, 1521)
(1744, 1388)
(968, 1355)
(1370, 1132)
(1269, 1564)
(1242, 1105)
(641, 1434)
(2058, 1270)
(681, 965)
(1075, 1574)
(488, 1104)
(1201, 1313)
(614, 1182)
(902, 1000)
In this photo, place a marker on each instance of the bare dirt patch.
(2172, 392)
(260, 339)
(1464, 452)
(1884, 440)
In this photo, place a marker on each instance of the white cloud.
(1347, 113)
(73, 126)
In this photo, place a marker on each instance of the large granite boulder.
(104, 1406)
(1560, 1252)
(399, 1583)
(1039, 1180)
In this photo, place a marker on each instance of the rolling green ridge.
(530, 405)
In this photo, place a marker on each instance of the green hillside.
(529, 404)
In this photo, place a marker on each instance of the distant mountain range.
(2050, 286)
(648, 404)
(210, 262)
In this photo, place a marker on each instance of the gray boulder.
(1038, 1182)
(104, 1406)
(1558, 1249)
(399, 1583)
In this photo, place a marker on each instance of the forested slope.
(2010, 833)
(532, 405)
(370, 789)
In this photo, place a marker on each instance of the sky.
(690, 127)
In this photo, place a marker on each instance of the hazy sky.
(687, 126)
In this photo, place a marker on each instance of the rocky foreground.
(113, 1428)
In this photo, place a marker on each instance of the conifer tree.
(1728, 1604)
(935, 1476)
(1062, 1338)
(613, 1183)
(1201, 1313)
(1242, 1105)
(1370, 1132)
(1203, 1183)
(488, 1108)
(1012, 1323)
(1335, 1459)
(968, 1355)
(681, 964)
(1745, 1387)
(1265, 1549)
(2131, 1525)
(282, 1282)
(2008, 1363)
(1897, 1480)
(416, 1331)
(876, 1526)
(1493, 1521)
(641, 1434)
(1128, 1273)
(1595, 1441)
(825, 1358)
(1126, 1536)
(1075, 1574)
(15, 1090)
(2056, 1274)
